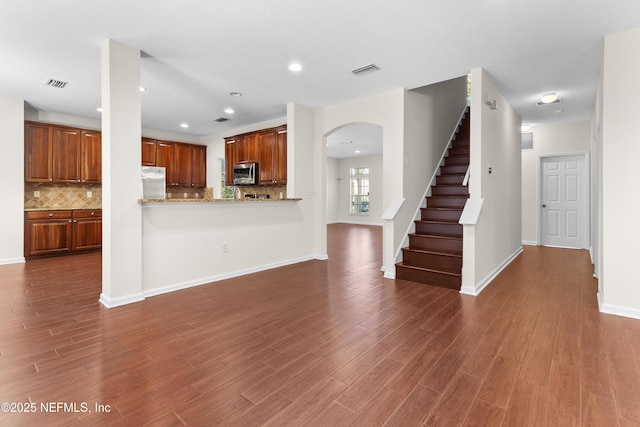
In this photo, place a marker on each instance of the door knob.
(544, 206)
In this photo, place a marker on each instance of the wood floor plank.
(321, 343)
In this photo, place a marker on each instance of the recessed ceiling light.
(235, 94)
(549, 98)
(295, 67)
(229, 110)
(99, 109)
(184, 125)
(525, 128)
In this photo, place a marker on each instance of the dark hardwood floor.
(320, 343)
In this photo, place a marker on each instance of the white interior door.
(563, 202)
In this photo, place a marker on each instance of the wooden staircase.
(434, 255)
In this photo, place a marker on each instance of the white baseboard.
(475, 290)
(618, 310)
(219, 277)
(529, 243)
(7, 261)
(117, 302)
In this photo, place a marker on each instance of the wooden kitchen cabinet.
(181, 165)
(91, 157)
(65, 154)
(48, 232)
(62, 154)
(63, 231)
(185, 164)
(149, 152)
(87, 229)
(230, 158)
(37, 152)
(198, 165)
(272, 156)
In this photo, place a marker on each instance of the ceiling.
(195, 53)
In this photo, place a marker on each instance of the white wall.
(620, 154)
(12, 178)
(341, 197)
(333, 186)
(561, 139)
(495, 142)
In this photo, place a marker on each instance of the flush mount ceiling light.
(295, 67)
(229, 110)
(142, 89)
(525, 128)
(99, 109)
(184, 125)
(235, 93)
(548, 98)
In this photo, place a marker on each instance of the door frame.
(586, 193)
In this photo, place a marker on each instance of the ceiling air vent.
(365, 70)
(56, 83)
(220, 119)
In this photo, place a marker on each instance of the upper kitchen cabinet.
(198, 165)
(66, 154)
(272, 156)
(37, 152)
(185, 164)
(62, 154)
(230, 158)
(91, 157)
(149, 152)
(267, 147)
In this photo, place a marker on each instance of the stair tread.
(435, 221)
(424, 251)
(437, 236)
(446, 273)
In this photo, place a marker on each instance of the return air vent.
(56, 83)
(365, 70)
(220, 119)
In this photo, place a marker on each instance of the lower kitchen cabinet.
(87, 230)
(62, 231)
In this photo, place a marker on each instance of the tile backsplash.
(67, 196)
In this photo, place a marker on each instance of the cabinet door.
(230, 158)
(91, 157)
(164, 158)
(280, 158)
(65, 152)
(249, 148)
(49, 235)
(182, 165)
(198, 166)
(37, 150)
(266, 145)
(87, 230)
(148, 152)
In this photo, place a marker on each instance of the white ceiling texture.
(196, 52)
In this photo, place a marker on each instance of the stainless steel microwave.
(245, 173)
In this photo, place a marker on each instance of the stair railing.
(465, 181)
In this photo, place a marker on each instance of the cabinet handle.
(92, 213)
(50, 215)
(69, 221)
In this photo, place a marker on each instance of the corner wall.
(12, 178)
(495, 143)
(620, 154)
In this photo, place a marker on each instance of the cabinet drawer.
(87, 213)
(49, 215)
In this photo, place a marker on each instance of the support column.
(121, 160)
